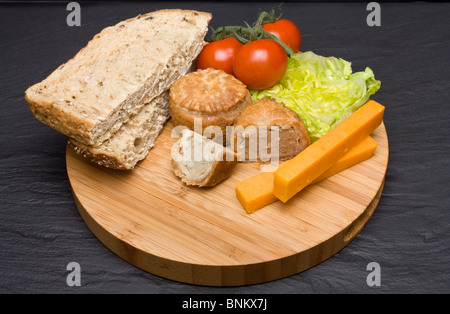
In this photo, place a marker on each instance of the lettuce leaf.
(322, 90)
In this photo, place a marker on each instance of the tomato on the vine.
(219, 55)
(286, 31)
(260, 64)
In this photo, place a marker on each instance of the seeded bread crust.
(123, 67)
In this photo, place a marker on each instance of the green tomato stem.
(247, 34)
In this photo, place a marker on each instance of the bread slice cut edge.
(134, 139)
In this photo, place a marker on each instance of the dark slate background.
(41, 230)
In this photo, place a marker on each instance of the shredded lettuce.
(322, 90)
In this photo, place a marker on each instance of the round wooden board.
(204, 236)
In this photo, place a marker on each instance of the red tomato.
(286, 31)
(219, 55)
(260, 64)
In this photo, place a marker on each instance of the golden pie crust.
(293, 135)
(215, 97)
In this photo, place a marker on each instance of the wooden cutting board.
(204, 236)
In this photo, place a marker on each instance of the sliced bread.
(122, 68)
(134, 139)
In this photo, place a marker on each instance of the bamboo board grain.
(204, 236)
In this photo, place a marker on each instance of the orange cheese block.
(294, 175)
(360, 152)
(257, 191)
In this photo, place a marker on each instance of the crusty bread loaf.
(134, 139)
(121, 69)
(201, 162)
